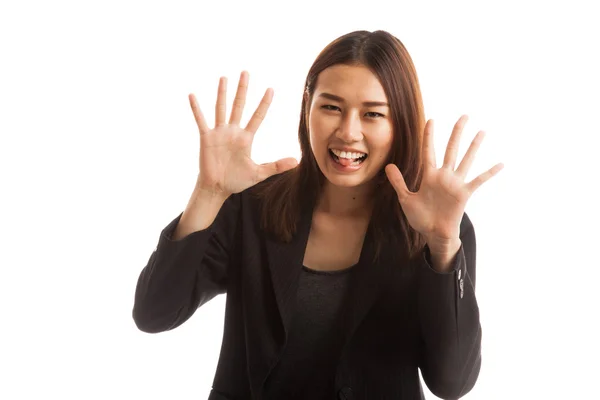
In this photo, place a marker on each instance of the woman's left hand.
(436, 210)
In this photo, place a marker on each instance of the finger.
(240, 99)
(261, 112)
(221, 107)
(467, 160)
(198, 116)
(453, 143)
(267, 170)
(428, 148)
(481, 179)
(397, 180)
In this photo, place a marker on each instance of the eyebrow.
(341, 100)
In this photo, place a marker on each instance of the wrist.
(442, 244)
(209, 194)
(442, 254)
(207, 199)
(443, 247)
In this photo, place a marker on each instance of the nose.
(350, 128)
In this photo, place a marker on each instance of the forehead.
(353, 83)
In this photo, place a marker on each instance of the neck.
(346, 201)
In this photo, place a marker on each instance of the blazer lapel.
(364, 287)
(285, 263)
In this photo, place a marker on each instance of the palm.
(436, 205)
(225, 159)
(225, 162)
(436, 210)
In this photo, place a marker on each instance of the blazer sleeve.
(449, 319)
(183, 274)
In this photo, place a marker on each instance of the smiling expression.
(349, 125)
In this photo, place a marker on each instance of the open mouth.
(346, 158)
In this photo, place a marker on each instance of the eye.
(330, 107)
(373, 114)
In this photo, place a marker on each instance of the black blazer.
(397, 319)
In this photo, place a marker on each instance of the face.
(349, 125)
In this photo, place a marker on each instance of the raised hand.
(436, 210)
(225, 163)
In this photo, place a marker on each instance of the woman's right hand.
(225, 163)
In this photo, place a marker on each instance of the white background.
(99, 152)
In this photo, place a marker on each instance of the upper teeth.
(347, 154)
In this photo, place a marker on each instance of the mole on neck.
(345, 201)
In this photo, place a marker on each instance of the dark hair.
(285, 196)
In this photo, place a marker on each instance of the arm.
(449, 318)
(189, 265)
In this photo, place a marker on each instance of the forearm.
(200, 213)
(450, 326)
(163, 292)
(183, 274)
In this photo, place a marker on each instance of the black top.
(401, 316)
(306, 369)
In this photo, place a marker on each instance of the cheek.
(381, 145)
(314, 136)
(317, 130)
(311, 134)
(382, 140)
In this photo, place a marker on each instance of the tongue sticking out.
(345, 162)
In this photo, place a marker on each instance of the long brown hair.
(286, 195)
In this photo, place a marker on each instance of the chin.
(345, 181)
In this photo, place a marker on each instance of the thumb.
(269, 169)
(397, 180)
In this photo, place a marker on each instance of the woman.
(345, 273)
